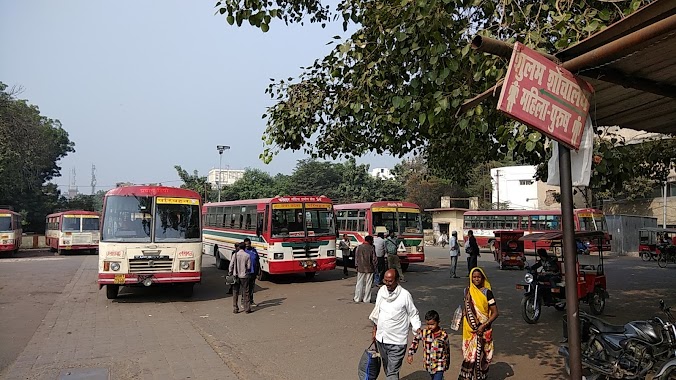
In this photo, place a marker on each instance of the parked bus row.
(484, 224)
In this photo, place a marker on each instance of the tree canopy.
(30, 147)
(396, 84)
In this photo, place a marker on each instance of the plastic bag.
(369, 364)
(457, 318)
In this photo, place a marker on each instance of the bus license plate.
(119, 279)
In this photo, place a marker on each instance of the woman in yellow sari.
(479, 312)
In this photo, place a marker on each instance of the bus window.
(177, 222)
(285, 222)
(524, 223)
(127, 219)
(70, 224)
(90, 224)
(410, 222)
(6, 223)
(386, 219)
(319, 220)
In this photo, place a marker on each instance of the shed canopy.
(631, 65)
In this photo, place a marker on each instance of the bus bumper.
(413, 258)
(156, 278)
(79, 247)
(301, 266)
(7, 247)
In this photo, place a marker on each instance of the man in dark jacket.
(472, 250)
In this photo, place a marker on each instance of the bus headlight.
(419, 248)
(187, 264)
(331, 253)
(528, 278)
(279, 256)
(114, 266)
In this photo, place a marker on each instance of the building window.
(525, 182)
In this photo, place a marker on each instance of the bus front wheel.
(310, 275)
(111, 291)
(263, 275)
(220, 263)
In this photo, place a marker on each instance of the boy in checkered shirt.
(437, 351)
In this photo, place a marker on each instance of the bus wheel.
(263, 275)
(57, 252)
(310, 275)
(220, 263)
(404, 267)
(111, 291)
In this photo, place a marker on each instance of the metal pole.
(220, 172)
(664, 206)
(570, 259)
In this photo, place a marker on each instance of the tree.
(254, 184)
(195, 182)
(396, 84)
(30, 147)
(313, 177)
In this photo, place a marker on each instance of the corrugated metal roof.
(636, 87)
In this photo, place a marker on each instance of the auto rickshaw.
(654, 240)
(551, 290)
(508, 250)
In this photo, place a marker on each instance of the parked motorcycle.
(637, 350)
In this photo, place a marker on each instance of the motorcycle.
(634, 351)
(540, 289)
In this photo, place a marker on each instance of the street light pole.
(221, 149)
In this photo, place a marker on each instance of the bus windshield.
(319, 220)
(70, 223)
(5, 223)
(127, 219)
(292, 220)
(90, 224)
(410, 223)
(177, 222)
(592, 223)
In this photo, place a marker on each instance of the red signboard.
(545, 96)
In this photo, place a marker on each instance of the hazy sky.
(141, 86)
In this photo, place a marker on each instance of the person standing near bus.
(344, 247)
(393, 261)
(240, 265)
(454, 252)
(472, 249)
(253, 272)
(379, 244)
(366, 264)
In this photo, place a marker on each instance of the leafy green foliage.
(30, 147)
(195, 182)
(396, 84)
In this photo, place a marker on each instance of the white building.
(516, 186)
(228, 176)
(382, 173)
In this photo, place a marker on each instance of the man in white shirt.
(379, 244)
(454, 252)
(391, 317)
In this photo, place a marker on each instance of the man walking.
(240, 264)
(253, 272)
(472, 249)
(393, 313)
(455, 252)
(366, 264)
(344, 247)
(393, 261)
(379, 244)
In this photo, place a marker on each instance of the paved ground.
(303, 329)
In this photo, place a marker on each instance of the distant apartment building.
(515, 188)
(227, 176)
(382, 173)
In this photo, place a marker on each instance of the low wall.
(33, 241)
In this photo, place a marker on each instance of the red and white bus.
(292, 234)
(74, 230)
(483, 223)
(358, 220)
(10, 231)
(150, 235)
